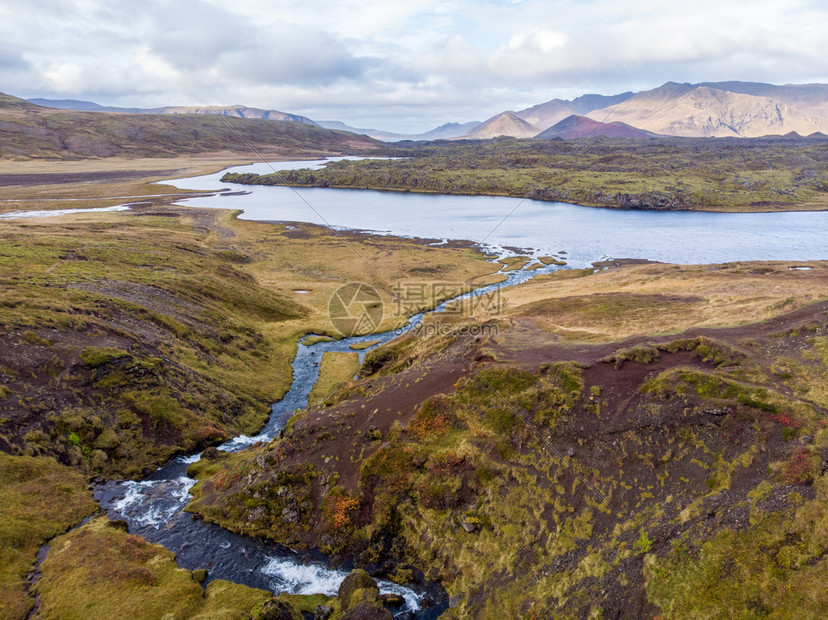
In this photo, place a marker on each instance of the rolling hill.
(31, 131)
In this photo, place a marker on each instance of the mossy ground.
(334, 370)
(130, 578)
(129, 337)
(40, 499)
(126, 338)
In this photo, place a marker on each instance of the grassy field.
(762, 174)
(40, 500)
(661, 299)
(117, 313)
(335, 369)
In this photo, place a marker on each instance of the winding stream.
(153, 507)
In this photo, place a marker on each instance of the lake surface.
(586, 234)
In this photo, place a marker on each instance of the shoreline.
(590, 205)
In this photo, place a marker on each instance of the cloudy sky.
(405, 65)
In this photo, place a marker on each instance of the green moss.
(335, 369)
(773, 568)
(640, 354)
(306, 602)
(102, 572)
(40, 499)
(98, 356)
(644, 543)
(36, 339)
(667, 174)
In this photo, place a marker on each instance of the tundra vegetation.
(645, 440)
(713, 174)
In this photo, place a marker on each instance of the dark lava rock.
(119, 524)
(366, 611)
(392, 600)
(322, 612)
(211, 453)
(275, 609)
(357, 579)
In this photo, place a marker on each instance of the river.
(153, 507)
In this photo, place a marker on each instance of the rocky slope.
(702, 111)
(504, 124)
(722, 109)
(544, 115)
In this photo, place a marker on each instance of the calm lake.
(586, 234)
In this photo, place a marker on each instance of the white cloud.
(408, 64)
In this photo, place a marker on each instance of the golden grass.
(336, 368)
(281, 259)
(130, 578)
(141, 179)
(40, 499)
(662, 299)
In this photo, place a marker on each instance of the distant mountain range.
(238, 111)
(719, 109)
(443, 132)
(707, 109)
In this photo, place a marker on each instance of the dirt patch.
(84, 177)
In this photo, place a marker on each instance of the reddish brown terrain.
(534, 474)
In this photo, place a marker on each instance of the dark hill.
(27, 130)
(574, 127)
(9, 101)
